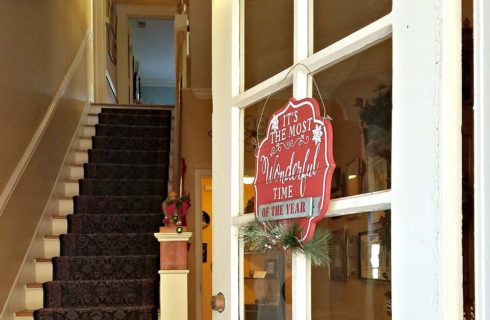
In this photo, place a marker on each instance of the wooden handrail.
(180, 69)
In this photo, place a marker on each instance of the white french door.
(412, 180)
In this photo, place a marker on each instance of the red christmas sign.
(294, 166)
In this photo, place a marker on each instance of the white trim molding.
(158, 83)
(31, 148)
(426, 161)
(173, 237)
(111, 84)
(202, 93)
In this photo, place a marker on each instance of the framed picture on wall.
(271, 268)
(204, 253)
(111, 31)
(374, 257)
(338, 264)
(352, 252)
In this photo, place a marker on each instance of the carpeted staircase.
(108, 268)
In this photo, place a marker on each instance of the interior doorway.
(152, 61)
(207, 245)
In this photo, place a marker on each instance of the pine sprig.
(283, 236)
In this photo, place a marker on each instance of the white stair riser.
(51, 248)
(34, 298)
(85, 144)
(44, 272)
(71, 189)
(65, 207)
(89, 131)
(59, 226)
(95, 109)
(81, 157)
(76, 173)
(92, 120)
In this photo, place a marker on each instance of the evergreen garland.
(283, 236)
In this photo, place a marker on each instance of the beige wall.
(39, 42)
(467, 10)
(196, 150)
(207, 237)
(200, 43)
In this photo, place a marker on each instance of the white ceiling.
(153, 47)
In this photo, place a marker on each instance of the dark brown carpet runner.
(108, 268)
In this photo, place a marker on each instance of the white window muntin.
(356, 42)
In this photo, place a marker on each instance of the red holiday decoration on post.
(294, 166)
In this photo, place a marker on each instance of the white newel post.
(173, 273)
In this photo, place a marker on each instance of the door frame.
(481, 38)
(426, 185)
(124, 13)
(198, 175)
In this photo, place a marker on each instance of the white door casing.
(482, 156)
(225, 156)
(426, 160)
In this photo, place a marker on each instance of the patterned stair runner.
(108, 268)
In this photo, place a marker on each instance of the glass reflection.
(268, 39)
(267, 285)
(357, 95)
(336, 19)
(357, 283)
(254, 129)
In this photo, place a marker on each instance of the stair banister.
(180, 28)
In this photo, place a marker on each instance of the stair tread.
(134, 138)
(125, 173)
(128, 126)
(126, 164)
(99, 280)
(24, 313)
(134, 180)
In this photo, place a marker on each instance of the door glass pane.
(268, 38)
(336, 19)
(267, 285)
(356, 285)
(357, 95)
(253, 124)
